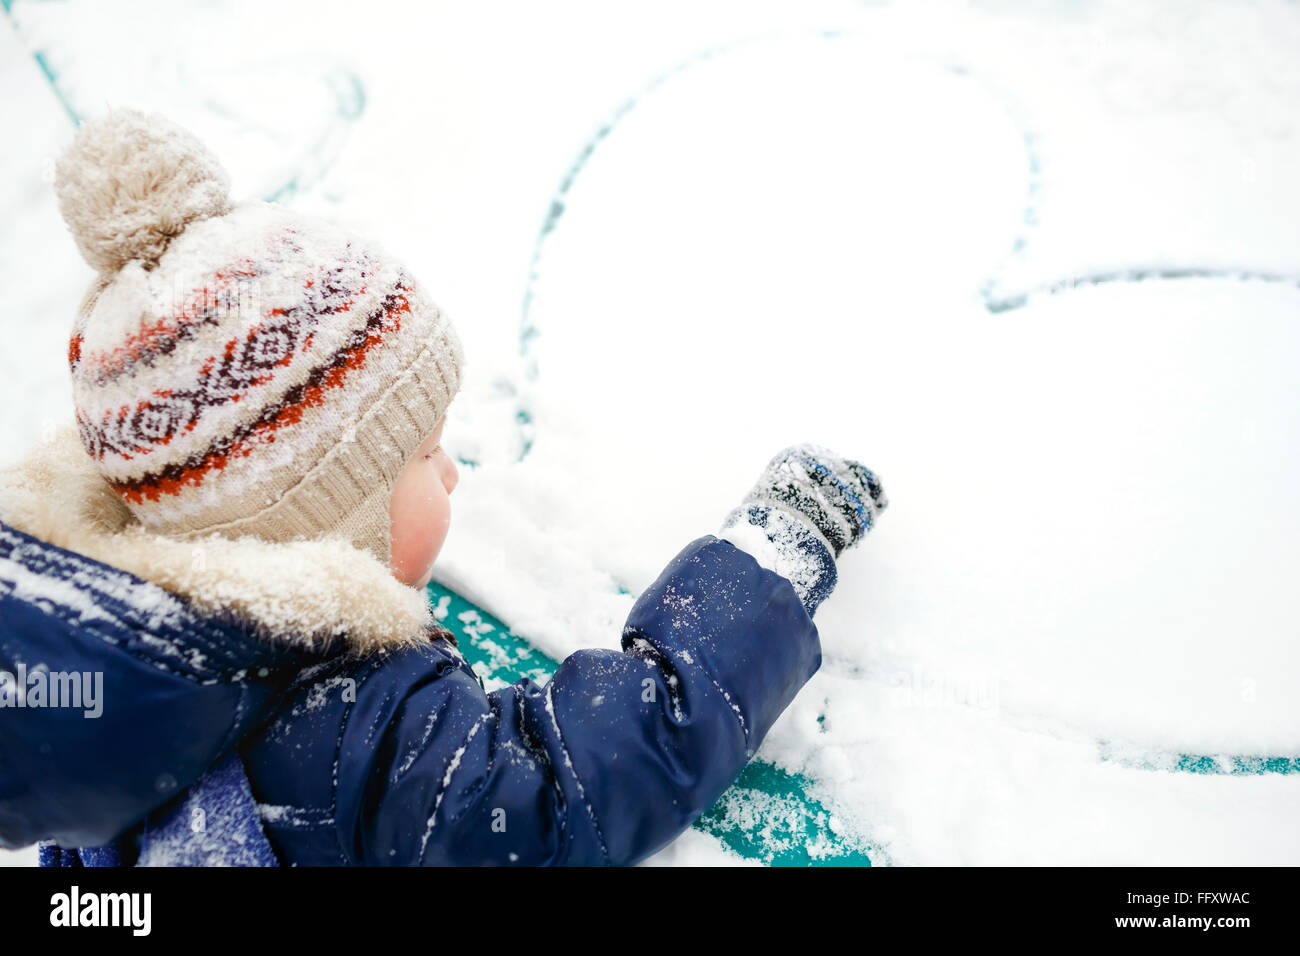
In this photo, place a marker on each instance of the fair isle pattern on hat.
(267, 374)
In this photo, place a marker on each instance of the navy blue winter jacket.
(400, 757)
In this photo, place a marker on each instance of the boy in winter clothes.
(236, 538)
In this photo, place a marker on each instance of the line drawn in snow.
(315, 161)
(1006, 302)
(995, 298)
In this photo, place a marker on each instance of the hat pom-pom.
(129, 184)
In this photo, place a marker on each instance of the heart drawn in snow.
(1092, 497)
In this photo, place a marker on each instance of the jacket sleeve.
(614, 757)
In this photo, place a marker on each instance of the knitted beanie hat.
(242, 370)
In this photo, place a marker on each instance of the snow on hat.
(243, 370)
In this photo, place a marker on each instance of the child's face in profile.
(419, 511)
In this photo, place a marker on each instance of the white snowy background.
(1038, 264)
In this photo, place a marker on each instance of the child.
(224, 565)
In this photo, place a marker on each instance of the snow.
(913, 234)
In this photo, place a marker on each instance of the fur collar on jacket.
(305, 593)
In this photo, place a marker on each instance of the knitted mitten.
(806, 508)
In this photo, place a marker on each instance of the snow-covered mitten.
(806, 508)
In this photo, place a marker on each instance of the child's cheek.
(420, 514)
(440, 515)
